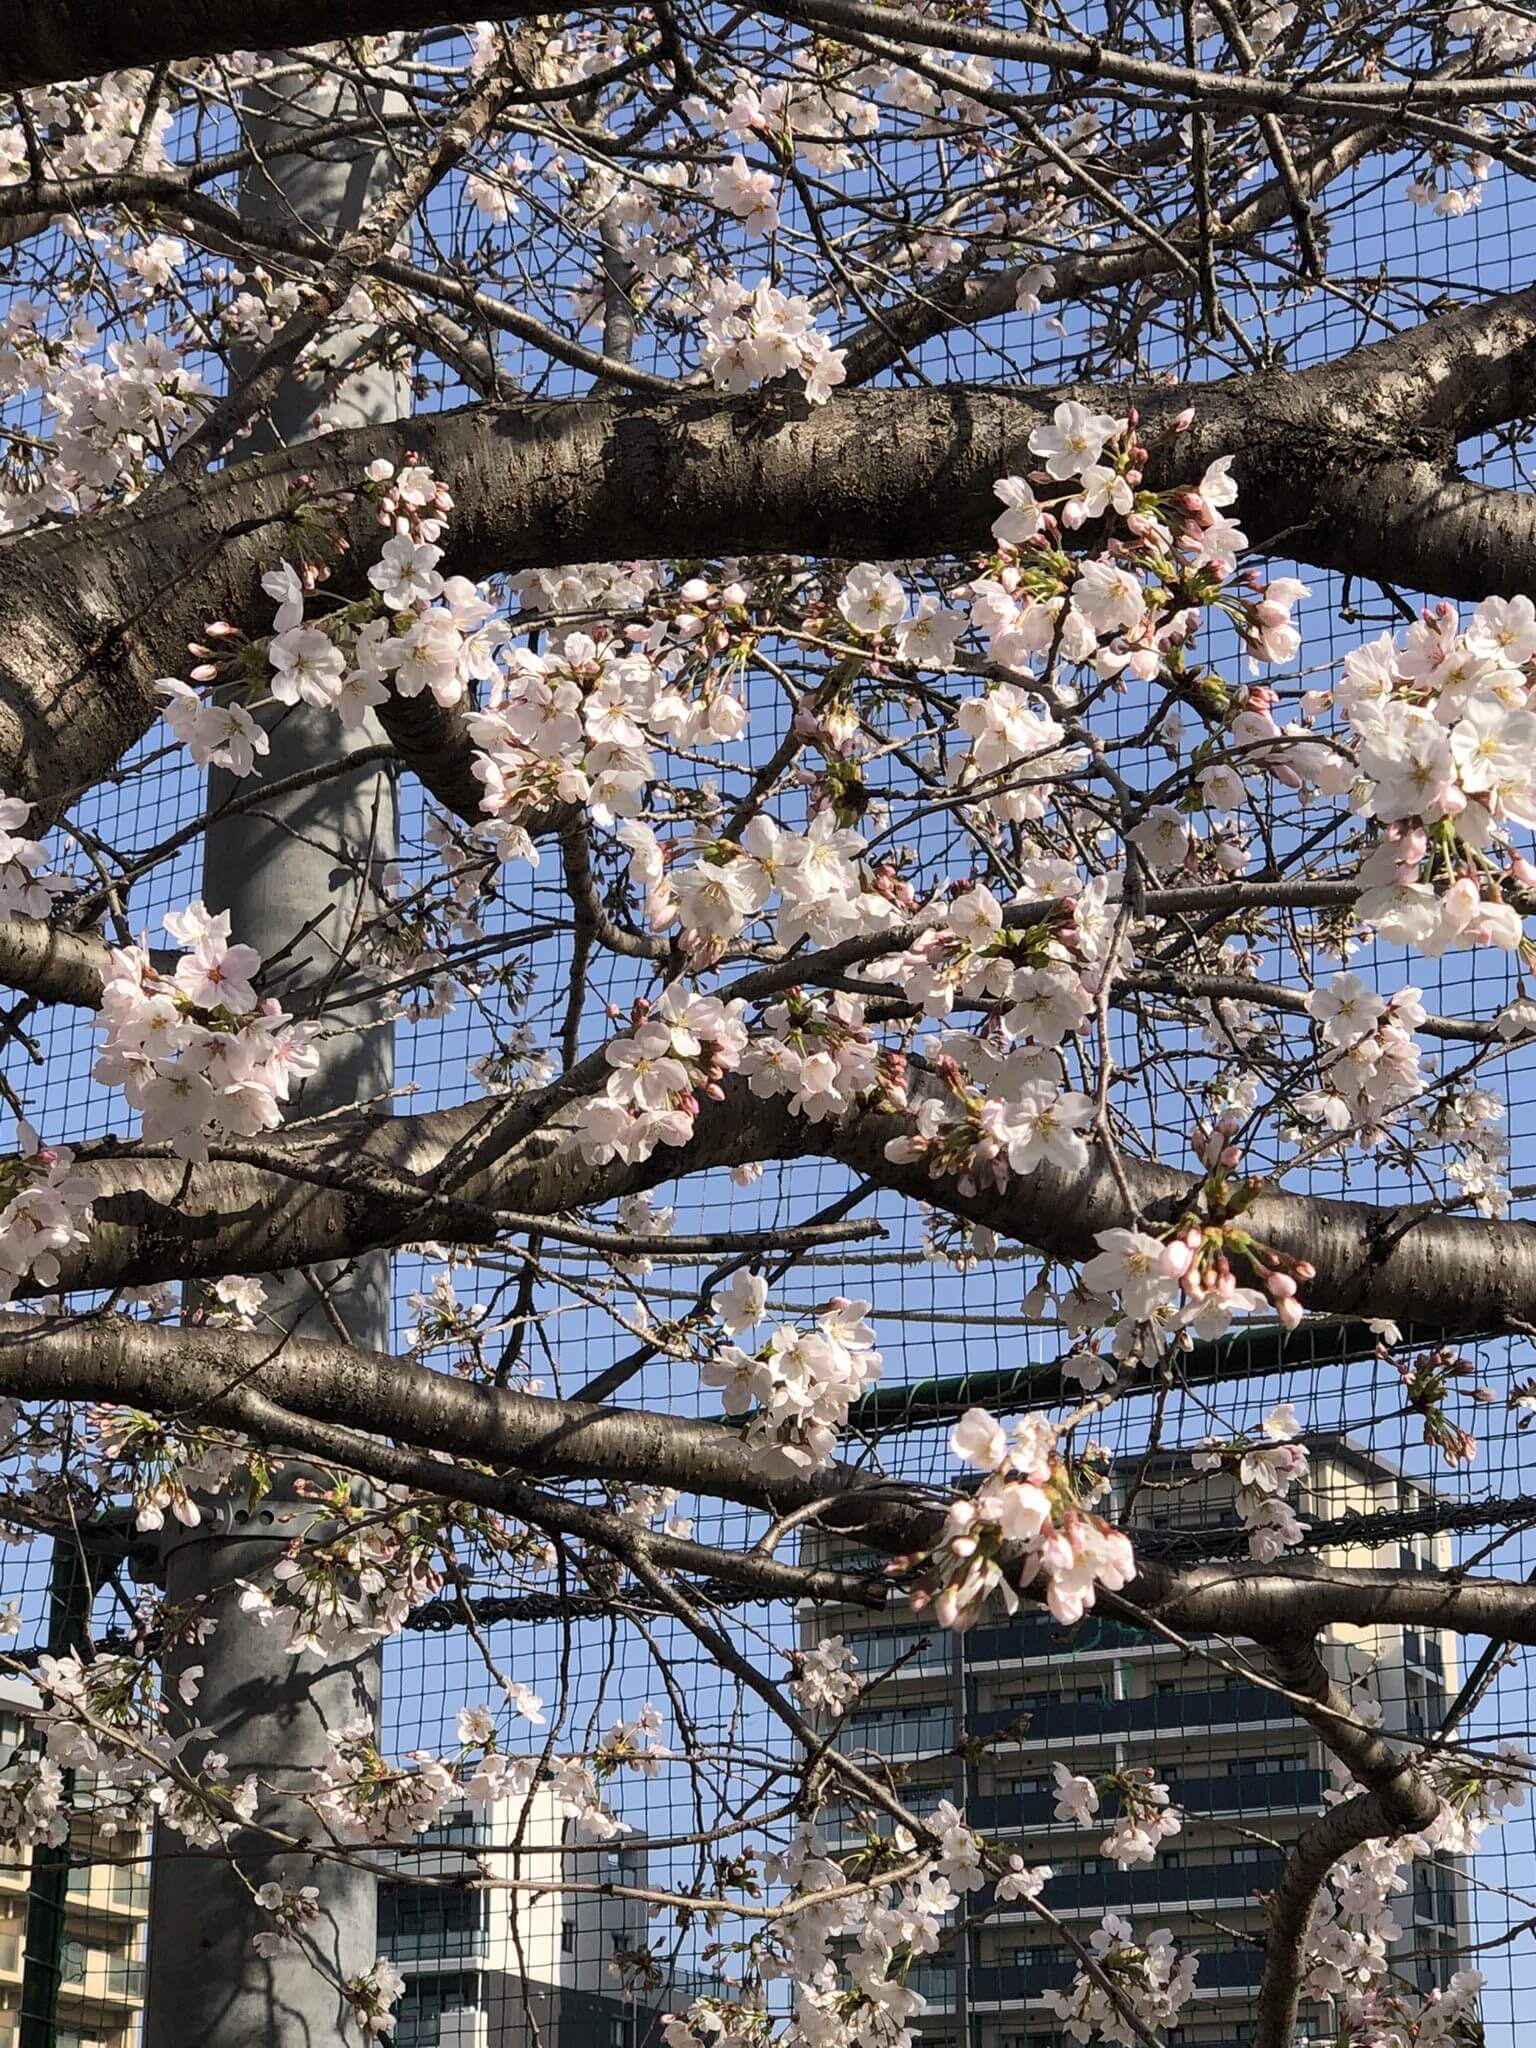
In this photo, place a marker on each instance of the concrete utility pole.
(297, 877)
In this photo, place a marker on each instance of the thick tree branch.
(1398, 1799)
(42, 41)
(188, 1372)
(1088, 59)
(332, 1189)
(54, 966)
(193, 1375)
(91, 615)
(243, 1408)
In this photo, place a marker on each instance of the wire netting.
(942, 1309)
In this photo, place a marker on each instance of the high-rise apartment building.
(101, 1984)
(980, 1717)
(494, 1959)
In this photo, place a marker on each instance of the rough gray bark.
(1348, 465)
(206, 1374)
(1396, 1799)
(1086, 58)
(54, 966)
(333, 1189)
(45, 40)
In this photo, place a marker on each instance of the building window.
(457, 1826)
(426, 2000)
(567, 1937)
(419, 1922)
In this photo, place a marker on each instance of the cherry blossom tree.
(841, 612)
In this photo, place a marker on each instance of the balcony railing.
(923, 1734)
(434, 1944)
(106, 1885)
(101, 1975)
(1161, 1888)
(1248, 1792)
(915, 1649)
(1151, 1713)
(1036, 1635)
(1026, 1636)
(1235, 1970)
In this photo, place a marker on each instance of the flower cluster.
(1266, 1468)
(985, 1141)
(107, 1716)
(46, 1212)
(820, 1053)
(679, 1048)
(1354, 1926)
(418, 631)
(372, 1998)
(814, 878)
(1146, 1819)
(113, 407)
(801, 1383)
(749, 195)
(826, 1678)
(197, 1053)
(1154, 1979)
(28, 887)
(32, 1807)
(1029, 1519)
(291, 1911)
(1186, 1284)
(1443, 735)
(579, 724)
(161, 1466)
(1018, 753)
(358, 1585)
(1374, 1067)
(1130, 609)
(1448, 2018)
(753, 337)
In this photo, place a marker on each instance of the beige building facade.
(1019, 1696)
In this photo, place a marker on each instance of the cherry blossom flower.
(1075, 439)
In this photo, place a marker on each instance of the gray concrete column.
(297, 876)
